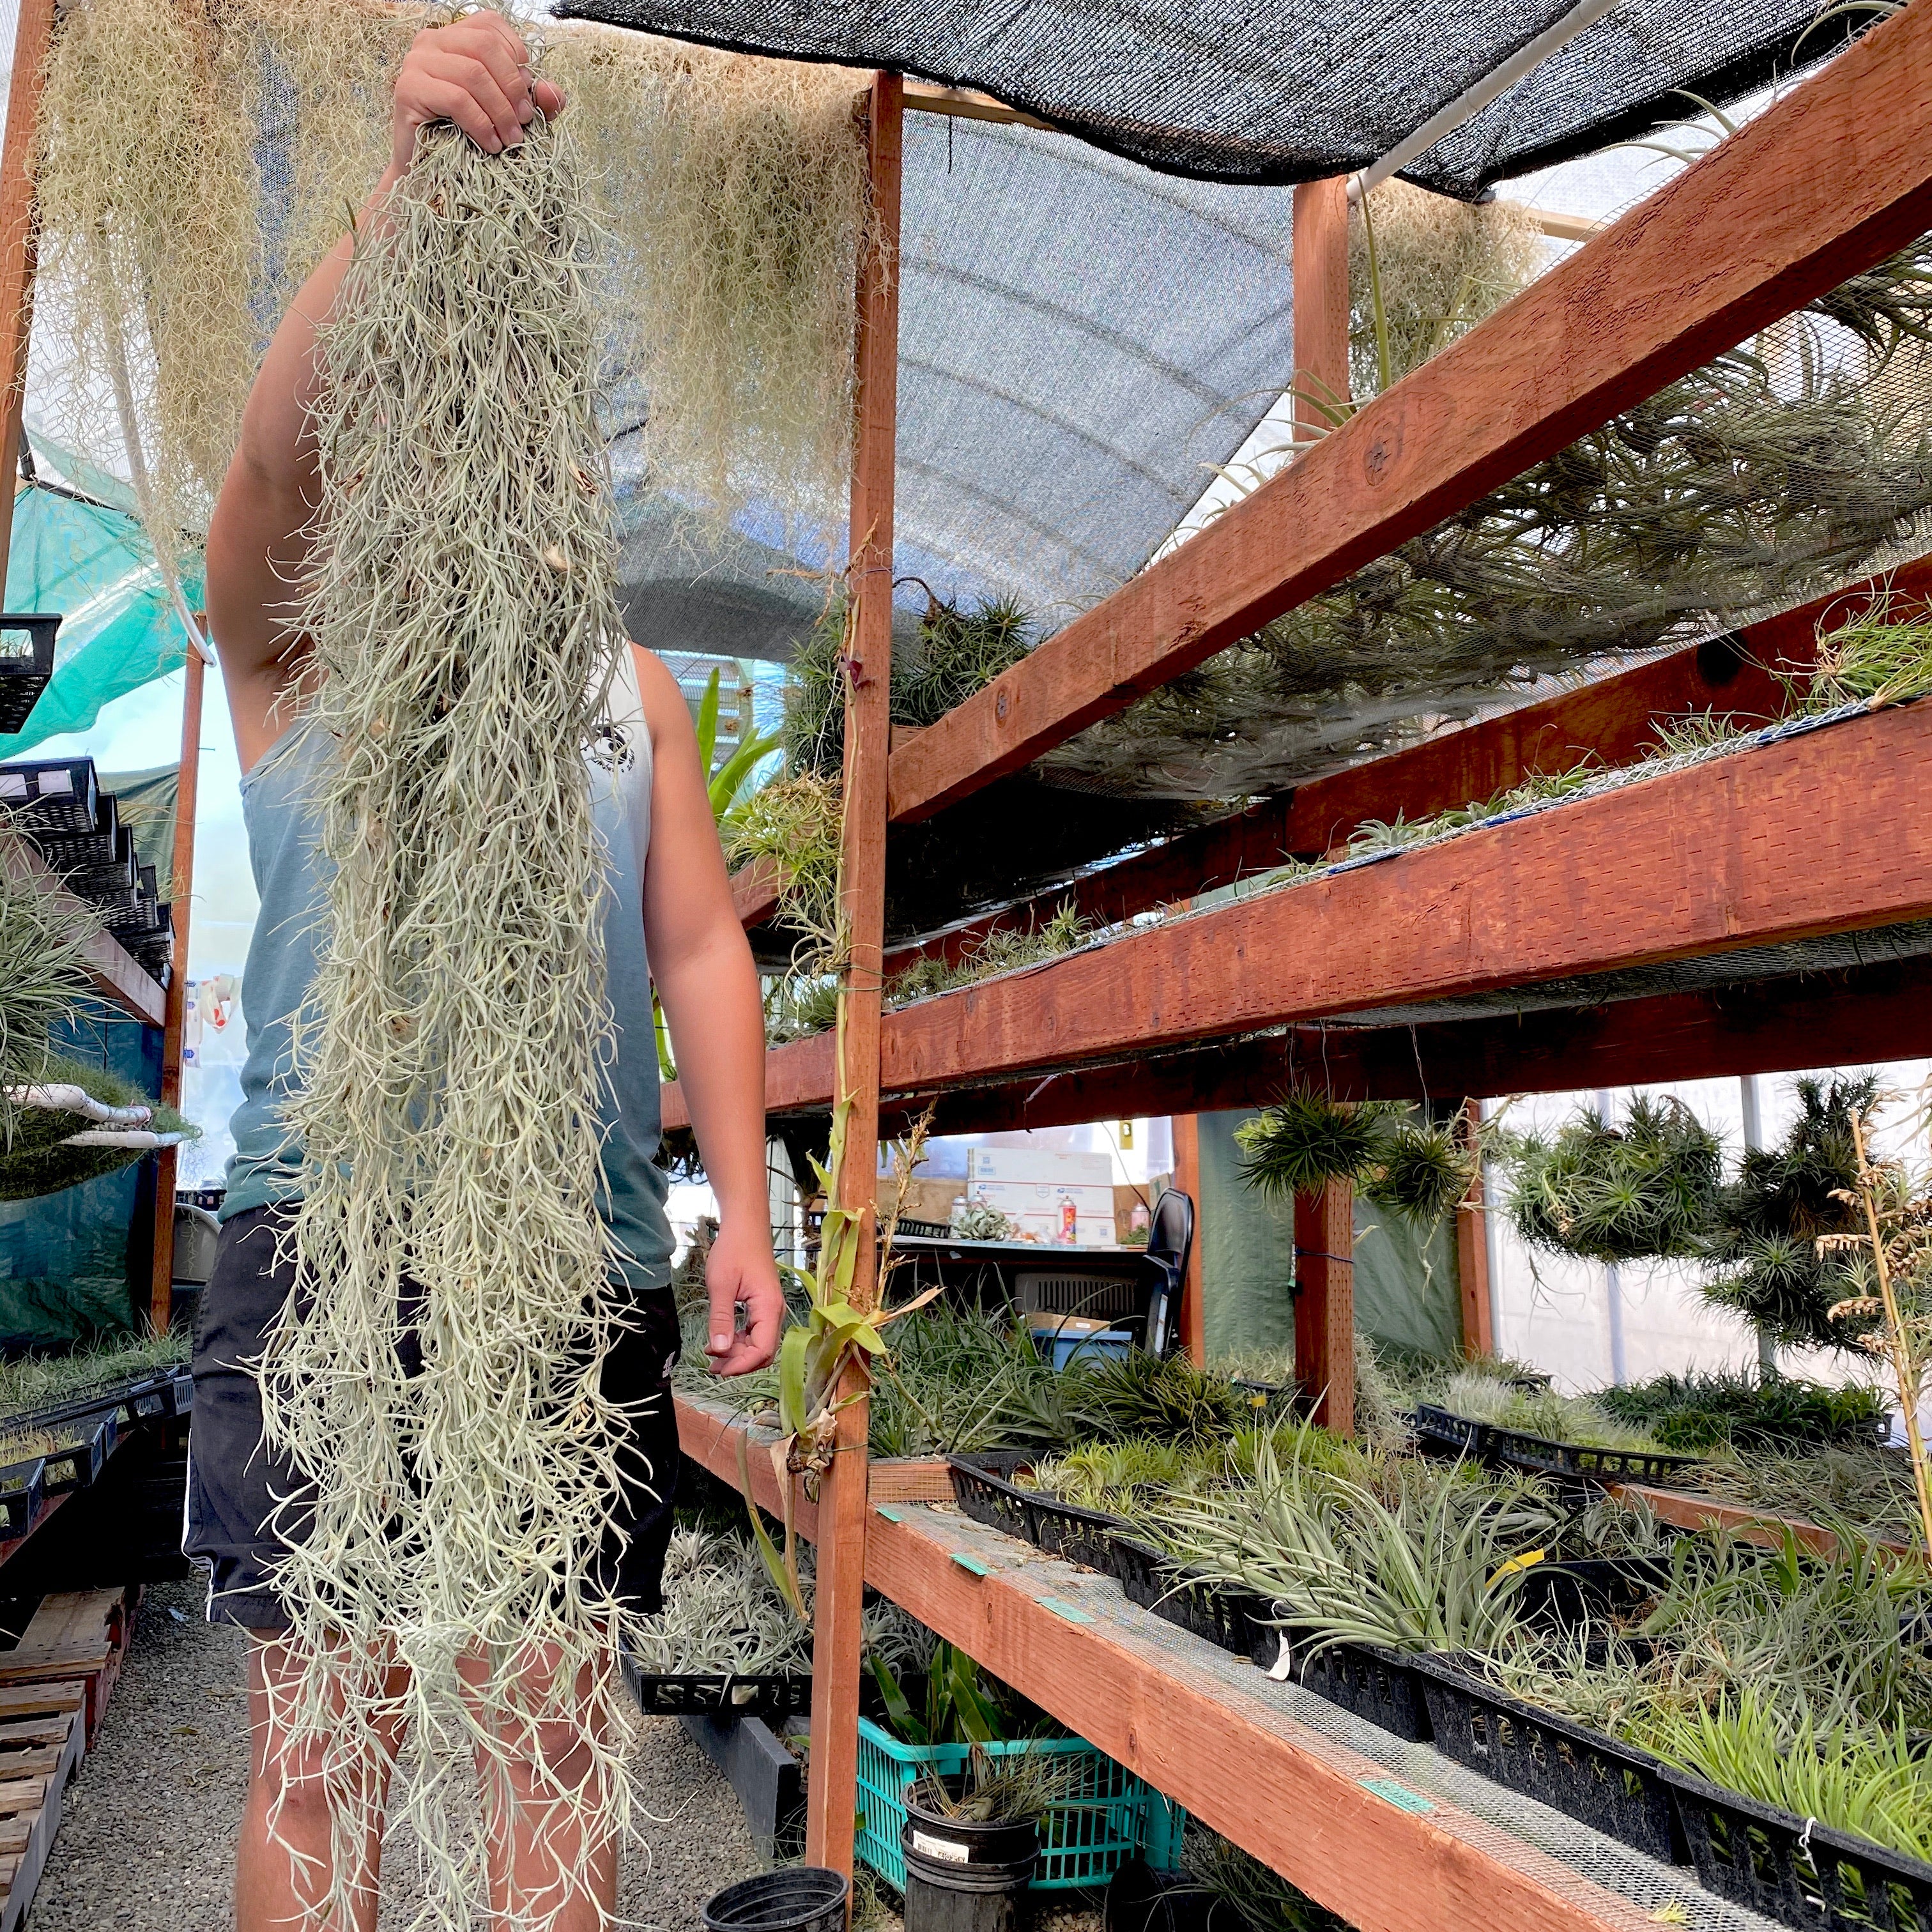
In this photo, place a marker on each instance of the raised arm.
(476, 72)
(709, 988)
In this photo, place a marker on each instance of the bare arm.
(474, 73)
(709, 988)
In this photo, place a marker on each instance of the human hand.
(475, 72)
(739, 1267)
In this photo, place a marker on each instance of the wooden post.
(1472, 1254)
(1324, 1303)
(181, 886)
(1321, 257)
(31, 36)
(832, 1801)
(1187, 1179)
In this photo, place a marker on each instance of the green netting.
(148, 800)
(90, 563)
(1408, 1291)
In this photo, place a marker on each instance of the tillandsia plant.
(1895, 1251)
(43, 940)
(1403, 1162)
(449, 1061)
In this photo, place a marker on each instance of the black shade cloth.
(1224, 91)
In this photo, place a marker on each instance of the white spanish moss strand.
(463, 607)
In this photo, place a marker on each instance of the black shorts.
(233, 1481)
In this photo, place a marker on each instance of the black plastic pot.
(947, 1894)
(963, 1841)
(795, 1898)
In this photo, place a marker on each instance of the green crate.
(1110, 1815)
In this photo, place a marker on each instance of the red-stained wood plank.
(180, 898)
(1844, 1017)
(1614, 720)
(755, 892)
(32, 35)
(1830, 179)
(1321, 219)
(838, 1602)
(1324, 1303)
(1472, 1259)
(1820, 833)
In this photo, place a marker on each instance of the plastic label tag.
(1400, 1795)
(950, 1849)
(1283, 1668)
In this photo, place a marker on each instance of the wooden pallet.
(78, 1636)
(42, 1733)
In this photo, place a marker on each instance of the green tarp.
(1407, 1290)
(119, 630)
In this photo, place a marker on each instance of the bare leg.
(284, 1861)
(536, 1844)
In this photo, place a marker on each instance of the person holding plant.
(668, 922)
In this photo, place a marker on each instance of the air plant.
(1006, 949)
(1113, 1397)
(1407, 1164)
(1870, 1781)
(1015, 1788)
(793, 823)
(1483, 1397)
(1432, 1570)
(1645, 1189)
(449, 1064)
(43, 940)
(1761, 1249)
(76, 1123)
(1894, 1254)
(1883, 656)
(1261, 1898)
(1862, 1487)
(980, 1221)
(1725, 1410)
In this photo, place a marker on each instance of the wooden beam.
(1321, 253)
(755, 892)
(113, 972)
(1819, 833)
(1187, 1178)
(181, 893)
(1614, 720)
(32, 32)
(1472, 1254)
(831, 1802)
(966, 104)
(1387, 1859)
(1880, 1012)
(1324, 1303)
(1831, 178)
(1764, 1528)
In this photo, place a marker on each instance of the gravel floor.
(147, 1839)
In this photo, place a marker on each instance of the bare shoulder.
(665, 710)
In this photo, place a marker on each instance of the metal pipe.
(1468, 104)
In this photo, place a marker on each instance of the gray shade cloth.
(1221, 91)
(1081, 342)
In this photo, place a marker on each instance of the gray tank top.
(283, 834)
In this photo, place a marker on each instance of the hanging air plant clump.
(1644, 1190)
(1401, 1160)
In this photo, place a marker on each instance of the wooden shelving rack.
(1815, 834)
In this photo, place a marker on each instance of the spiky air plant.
(1647, 1188)
(42, 942)
(450, 1059)
(1400, 1159)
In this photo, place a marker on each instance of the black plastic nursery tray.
(1618, 1791)
(1794, 1869)
(50, 794)
(1067, 1530)
(1516, 1450)
(982, 1487)
(23, 1488)
(1589, 1591)
(1380, 1686)
(75, 1466)
(722, 1697)
(1440, 1429)
(26, 664)
(1232, 1619)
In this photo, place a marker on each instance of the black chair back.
(1170, 1237)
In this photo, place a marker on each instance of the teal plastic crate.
(1109, 1816)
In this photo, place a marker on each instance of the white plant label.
(950, 1849)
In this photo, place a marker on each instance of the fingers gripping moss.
(462, 604)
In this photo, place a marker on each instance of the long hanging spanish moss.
(463, 610)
